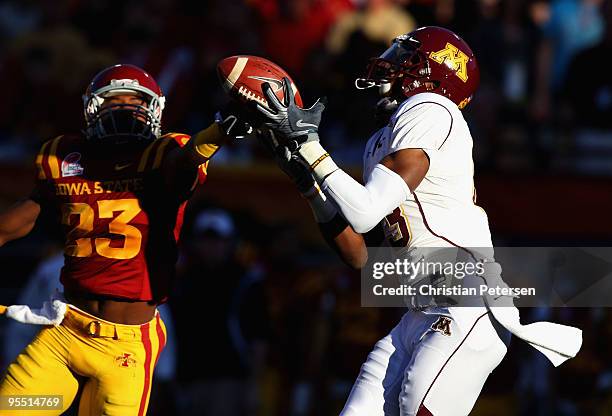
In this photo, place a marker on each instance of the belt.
(98, 328)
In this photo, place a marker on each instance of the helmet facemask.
(123, 122)
(399, 70)
(399, 67)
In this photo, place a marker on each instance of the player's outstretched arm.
(182, 163)
(230, 124)
(350, 245)
(18, 220)
(363, 206)
(338, 234)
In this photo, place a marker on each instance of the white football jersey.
(441, 212)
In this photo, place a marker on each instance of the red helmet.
(123, 120)
(429, 59)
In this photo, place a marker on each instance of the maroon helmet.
(429, 59)
(119, 121)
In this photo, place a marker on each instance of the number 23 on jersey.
(78, 245)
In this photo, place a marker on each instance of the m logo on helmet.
(455, 59)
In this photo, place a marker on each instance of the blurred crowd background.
(265, 320)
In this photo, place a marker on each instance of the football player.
(418, 184)
(119, 190)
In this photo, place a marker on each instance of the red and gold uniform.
(121, 216)
(116, 363)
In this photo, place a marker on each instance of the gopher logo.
(442, 325)
(125, 360)
(453, 58)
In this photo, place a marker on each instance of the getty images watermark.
(434, 273)
(504, 276)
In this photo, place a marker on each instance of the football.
(243, 75)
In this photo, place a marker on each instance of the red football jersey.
(120, 216)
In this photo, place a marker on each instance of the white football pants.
(429, 363)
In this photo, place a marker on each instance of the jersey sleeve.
(47, 162)
(181, 181)
(181, 140)
(423, 125)
(152, 158)
(48, 168)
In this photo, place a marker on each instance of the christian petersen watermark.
(504, 276)
(428, 290)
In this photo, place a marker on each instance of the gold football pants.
(115, 363)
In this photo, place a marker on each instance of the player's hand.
(292, 125)
(289, 163)
(235, 121)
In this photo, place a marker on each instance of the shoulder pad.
(154, 153)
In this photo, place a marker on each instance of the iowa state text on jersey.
(120, 218)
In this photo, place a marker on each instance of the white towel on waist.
(557, 342)
(51, 313)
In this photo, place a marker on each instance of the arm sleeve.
(365, 206)
(425, 125)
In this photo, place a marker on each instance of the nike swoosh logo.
(121, 167)
(276, 84)
(300, 123)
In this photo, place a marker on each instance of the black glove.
(288, 163)
(235, 120)
(293, 125)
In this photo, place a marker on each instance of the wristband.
(320, 162)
